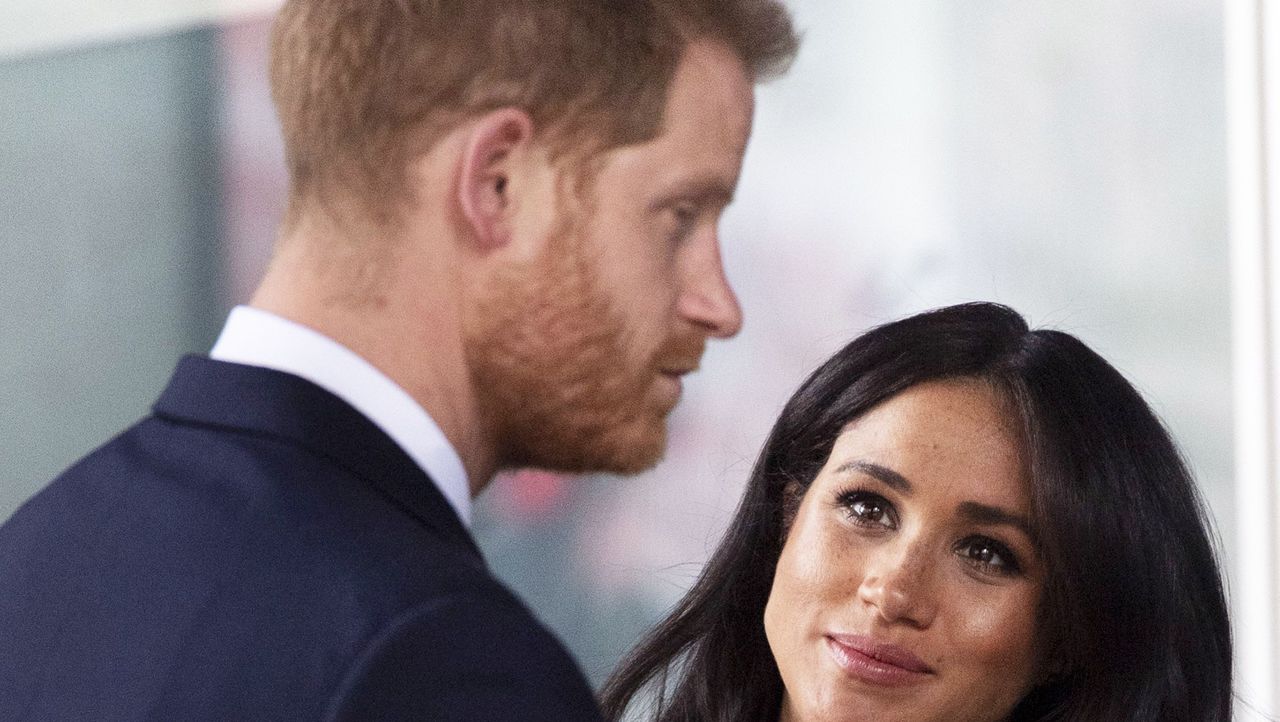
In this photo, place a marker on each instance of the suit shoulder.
(473, 655)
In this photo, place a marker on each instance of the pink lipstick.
(880, 664)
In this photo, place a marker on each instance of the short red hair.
(362, 85)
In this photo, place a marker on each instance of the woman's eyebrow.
(891, 478)
(984, 514)
(970, 510)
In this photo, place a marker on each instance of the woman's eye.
(868, 509)
(989, 555)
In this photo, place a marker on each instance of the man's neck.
(399, 315)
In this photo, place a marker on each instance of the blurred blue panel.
(108, 242)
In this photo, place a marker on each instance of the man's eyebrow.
(706, 191)
(984, 514)
(891, 478)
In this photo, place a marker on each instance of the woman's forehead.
(957, 433)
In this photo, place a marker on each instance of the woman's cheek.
(996, 629)
(828, 564)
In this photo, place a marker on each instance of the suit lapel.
(284, 406)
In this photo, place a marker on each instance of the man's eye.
(868, 509)
(988, 555)
(686, 216)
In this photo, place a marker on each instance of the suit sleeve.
(474, 657)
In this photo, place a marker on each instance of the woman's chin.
(845, 703)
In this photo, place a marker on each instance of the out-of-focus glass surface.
(1066, 159)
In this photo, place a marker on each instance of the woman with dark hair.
(955, 518)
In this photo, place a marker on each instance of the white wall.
(33, 26)
(1253, 131)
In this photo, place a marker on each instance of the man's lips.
(671, 379)
(678, 371)
(680, 355)
(876, 662)
(679, 365)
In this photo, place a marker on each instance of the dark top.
(259, 550)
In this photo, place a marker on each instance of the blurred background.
(1099, 165)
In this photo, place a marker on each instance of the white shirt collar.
(258, 338)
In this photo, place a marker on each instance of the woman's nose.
(898, 584)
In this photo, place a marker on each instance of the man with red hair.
(500, 251)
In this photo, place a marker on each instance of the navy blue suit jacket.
(259, 550)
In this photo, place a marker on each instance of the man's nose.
(898, 584)
(706, 299)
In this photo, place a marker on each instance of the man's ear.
(484, 182)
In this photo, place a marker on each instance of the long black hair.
(1134, 616)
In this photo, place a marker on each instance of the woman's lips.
(880, 664)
